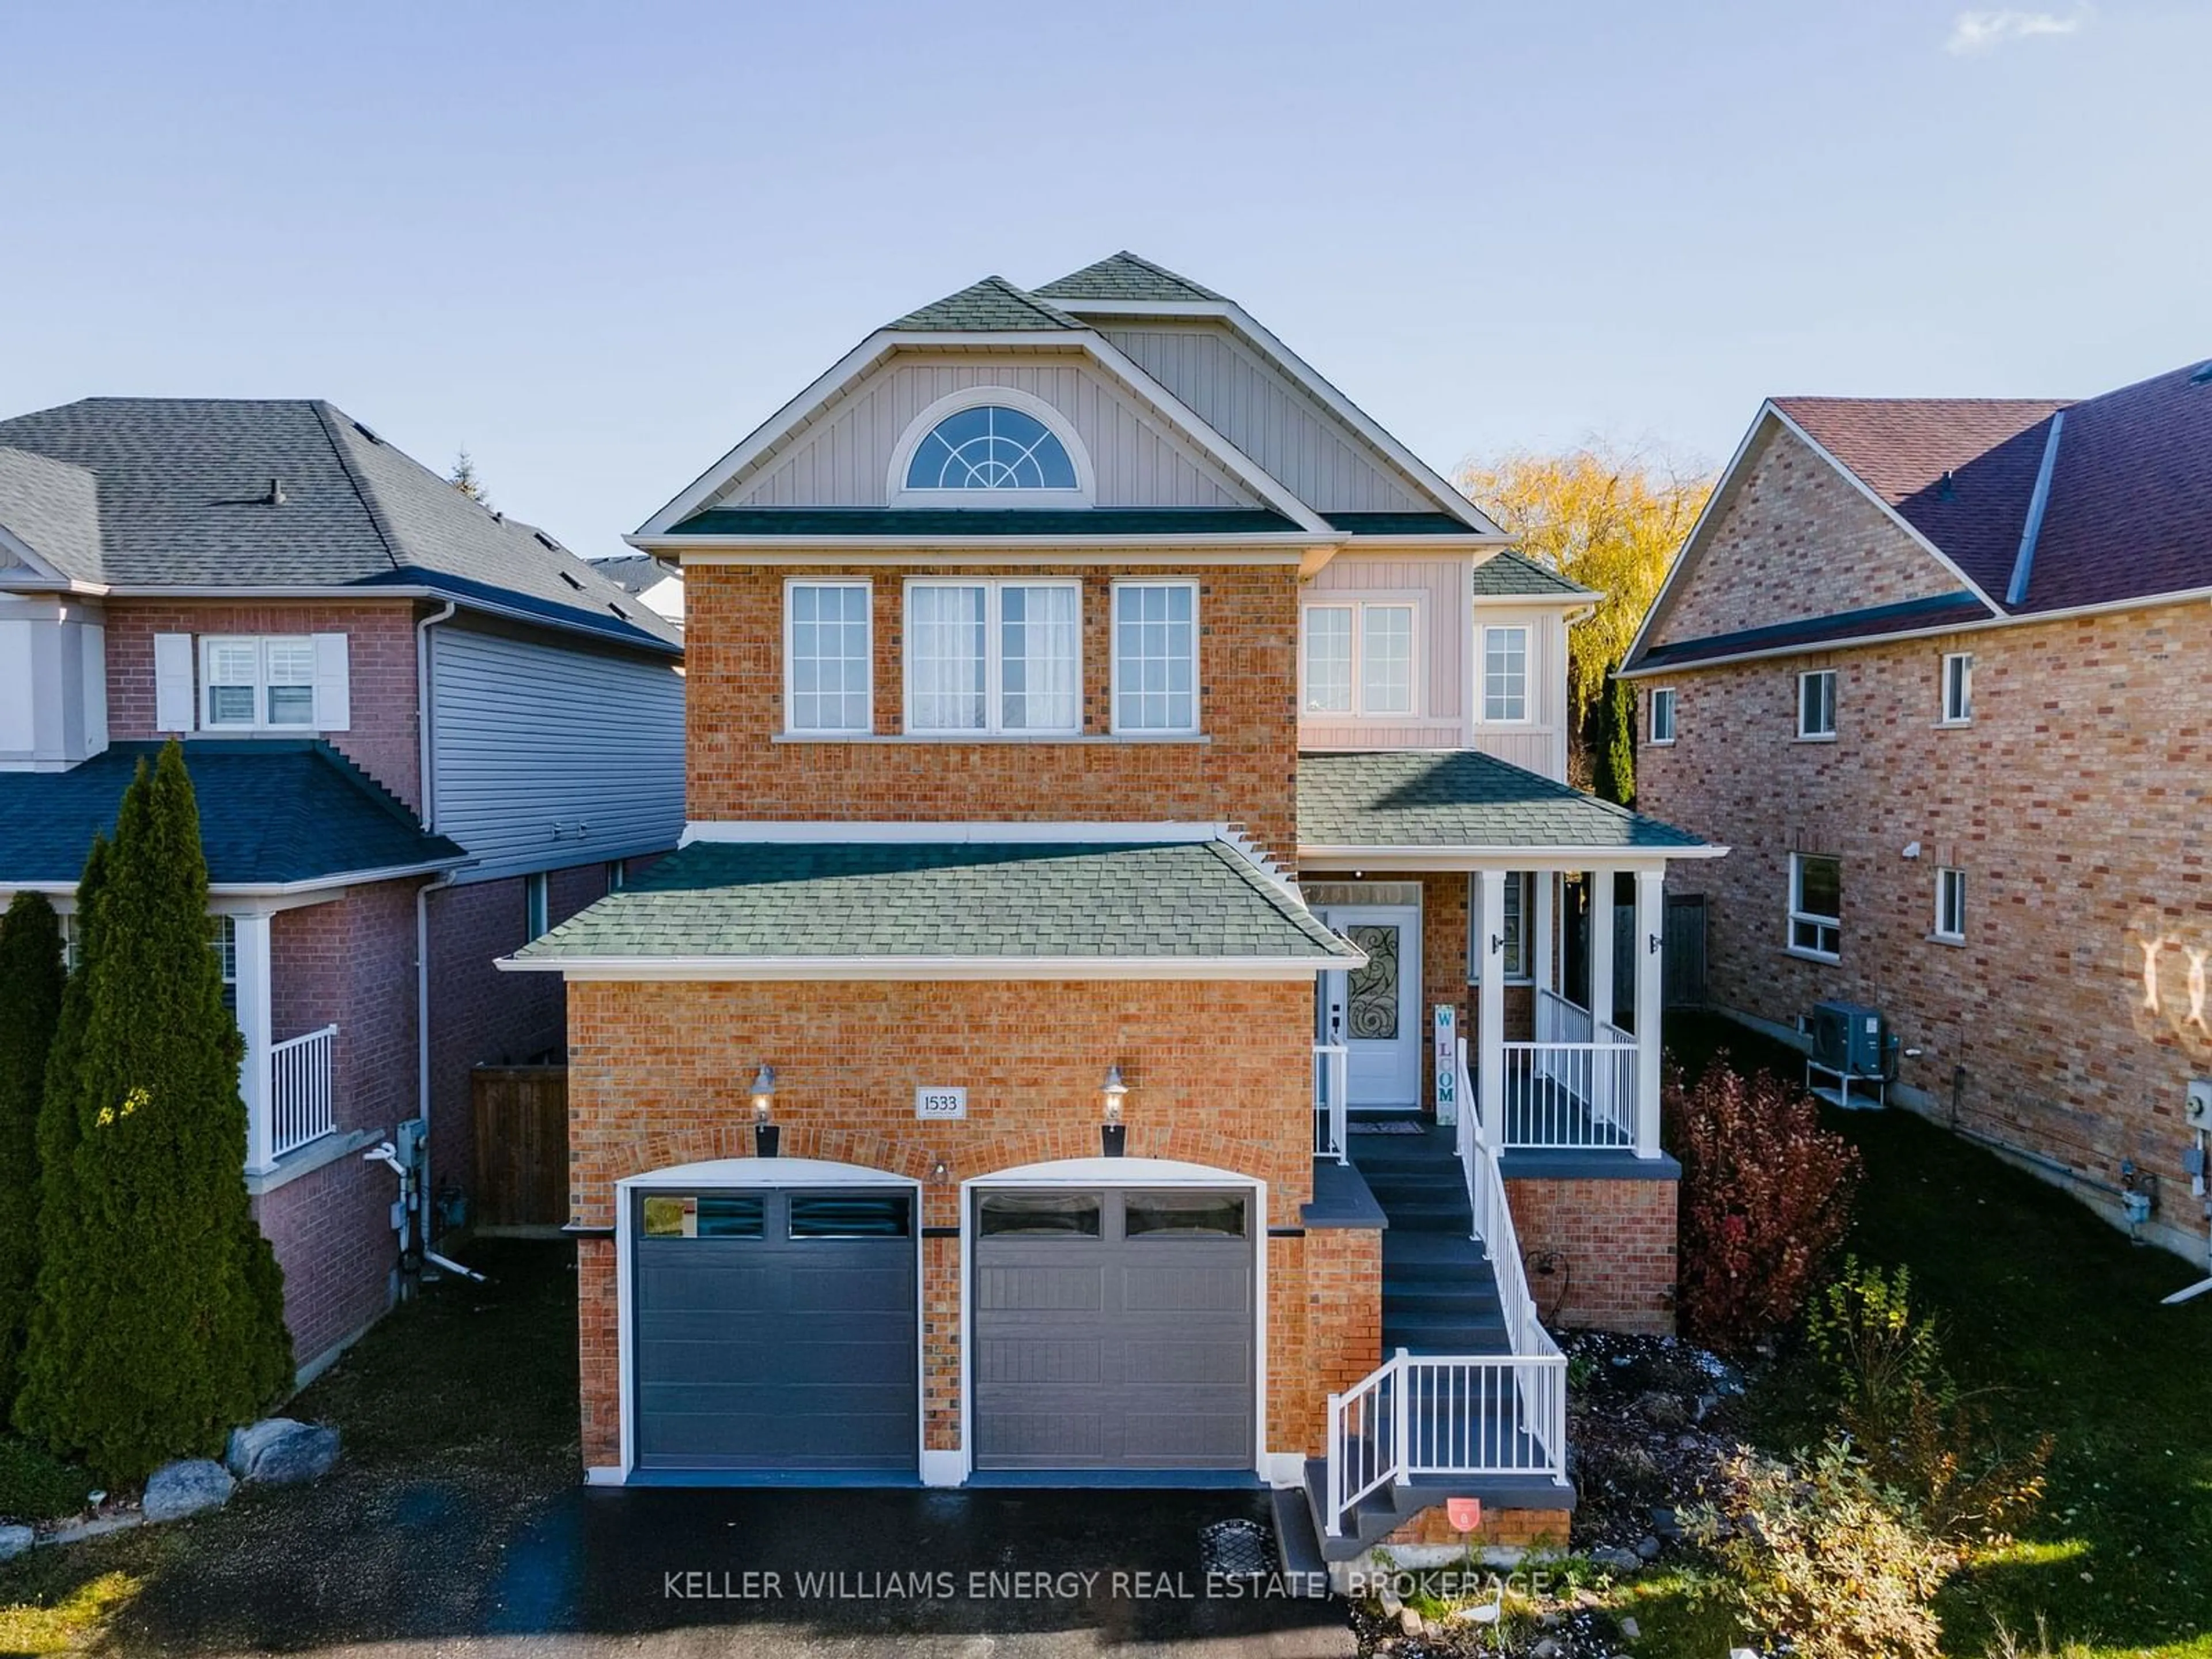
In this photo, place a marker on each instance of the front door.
(1375, 1011)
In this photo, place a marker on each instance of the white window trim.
(1943, 874)
(975, 396)
(790, 724)
(1479, 927)
(1799, 914)
(260, 722)
(1482, 714)
(1114, 659)
(1415, 602)
(1944, 717)
(1674, 716)
(1835, 690)
(992, 730)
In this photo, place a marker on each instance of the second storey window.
(993, 658)
(1359, 659)
(1505, 673)
(1816, 906)
(1662, 714)
(1156, 657)
(258, 683)
(1816, 704)
(1958, 687)
(827, 658)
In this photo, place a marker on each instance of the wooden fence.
(522, 1148)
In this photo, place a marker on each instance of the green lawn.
(2057, 1314)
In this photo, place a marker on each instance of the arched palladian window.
(990, 446)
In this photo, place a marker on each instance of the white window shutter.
(173, 700)
(333, 693)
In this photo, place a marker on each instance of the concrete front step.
(1381, 1512)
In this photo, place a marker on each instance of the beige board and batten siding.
(543, 757)
(1537, 744)
(843, 457)
(1316, 457)
(1437, 586)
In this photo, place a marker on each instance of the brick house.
(1940, 671)
(1101, 733)
(419, 732)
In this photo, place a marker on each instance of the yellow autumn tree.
(1610, 518)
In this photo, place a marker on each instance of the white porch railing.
(1332, 1082)
(1459, 1415)
(1573, 1087)
(1560, 1020)
(299, 1090)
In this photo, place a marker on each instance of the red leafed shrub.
(1766, 1197)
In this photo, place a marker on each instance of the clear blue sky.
(597, 244)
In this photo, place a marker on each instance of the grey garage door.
(776, 1330)
(1113, 1329)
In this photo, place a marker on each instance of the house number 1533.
(940, 1103)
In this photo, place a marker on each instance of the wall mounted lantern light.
(767, 1134)
(1113, 1134)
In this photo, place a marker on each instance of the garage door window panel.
(1183, 1215)
(875, 1215)
(1041, 1215)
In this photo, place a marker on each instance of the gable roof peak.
(1126, 276)
(990, 306)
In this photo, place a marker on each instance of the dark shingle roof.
(1459, 798)
(53, 509)
(272, 812)
(1513, 575)
(1126, 276)
(991, 306)
(183, 488)
(1907, 617)
(1169, 900)
(1399, 524)
(2129, 510)
(634, 573)
(921, 523)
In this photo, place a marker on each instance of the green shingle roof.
(272, 812)
(1400, 524)
(1459, 798)
(991, 306)
(1510, 574)
(1126, 276)
(1164, 901)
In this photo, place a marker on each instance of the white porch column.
(1545, 971)
(1604, 1108)
(254, 1024)
(1651, 960)
(1490, 1011)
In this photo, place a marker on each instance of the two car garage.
(775, 1331)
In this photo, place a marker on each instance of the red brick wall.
(1798, 541)
(331, 1230)
(1513, 1528)
(480, 1016)
(1245, 774)
(384, 739)
(1615, 1245)
(1218, 1075)
(1343, 1320)
(2073, 803)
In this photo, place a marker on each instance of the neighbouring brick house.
(1939, 672)
(419, 732)
(1101, 734)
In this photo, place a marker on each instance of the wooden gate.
(522, 1148)
(1683, 976)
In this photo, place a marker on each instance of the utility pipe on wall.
(428, 794)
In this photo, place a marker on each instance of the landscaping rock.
(1647, 1548)
(1663, 1408)
(1409, 1621)
(279, 1452)
(186, 1487)
(14, 1540)
(1621, 1560)
(1664, 1525)
(1631, 1629)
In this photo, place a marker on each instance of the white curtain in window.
(1037, 686)
(946, 657)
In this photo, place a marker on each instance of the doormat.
(1237, 1549)
(1394, 1127)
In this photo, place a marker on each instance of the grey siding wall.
(1321, 460)
(543, 756)
(842, 458)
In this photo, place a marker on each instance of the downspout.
(424, 776)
